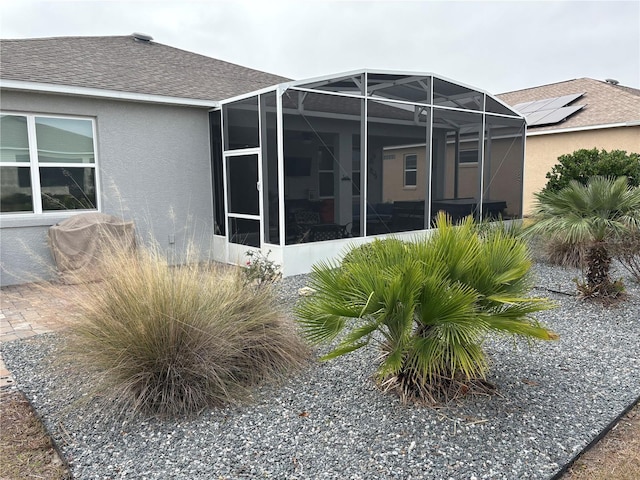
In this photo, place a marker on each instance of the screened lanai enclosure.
(306, 168)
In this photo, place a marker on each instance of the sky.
(497, 46)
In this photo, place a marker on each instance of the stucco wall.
(542, 152)
(154, 169)
(393, 188)
(502, 181)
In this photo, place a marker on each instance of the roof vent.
(612, 81)
(142, 37)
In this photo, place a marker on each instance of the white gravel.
(330, 422)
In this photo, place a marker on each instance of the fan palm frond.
(603, 210)
(430, 304)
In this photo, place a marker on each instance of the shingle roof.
(604, 103)
(125, 64)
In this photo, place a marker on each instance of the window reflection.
(66, 188)
(16, 194)
(63, 140)
(59, 158)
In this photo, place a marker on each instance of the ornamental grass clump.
(428, 304)
(174, 340)
(627, 251)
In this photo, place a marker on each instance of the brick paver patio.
(31, 309)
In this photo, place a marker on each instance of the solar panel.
(547, 103)
(554, 116)
(521, 107)
(563, 101)
(536, 117)
(537, 105)
(549, 111)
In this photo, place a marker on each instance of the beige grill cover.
(79, 243)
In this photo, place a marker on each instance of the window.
(325, 172)
(469, 156)
(355, 167)
(47, 164)
(410, 170)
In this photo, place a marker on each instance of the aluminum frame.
(306, 86)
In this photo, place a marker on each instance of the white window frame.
(356, 165)
(34, 167)
(471, 150)
(326, 172)
(405, 170)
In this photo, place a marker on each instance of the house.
(131, 117)
(193, 149)
(567, 116)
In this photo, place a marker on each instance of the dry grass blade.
(615, 457)
(174, 340)
(557, 252)
(25, 447)
(627, 252)
(437, 392)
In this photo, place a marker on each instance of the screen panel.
(241, 124)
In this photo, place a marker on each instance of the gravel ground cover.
(329, 421)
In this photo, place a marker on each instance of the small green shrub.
(260, 270)
(487, 226)
(371, 250)
(429, 304)
(173, 340)
(584, 164)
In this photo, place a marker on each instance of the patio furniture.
(458, 208)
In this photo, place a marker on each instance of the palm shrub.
(429, 304)
(592, 216)
(513, 228)
(173, 340)
(581, 165)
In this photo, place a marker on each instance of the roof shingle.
(604, 103)
(125, 64)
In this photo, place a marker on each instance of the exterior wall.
(393, 176)
(502, 182)
(153, 166)
(300, 258)
(393, 188)
(503, 179)
(467, 176)
(543, 152)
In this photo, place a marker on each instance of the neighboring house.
(196, 149)
(567, 116)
